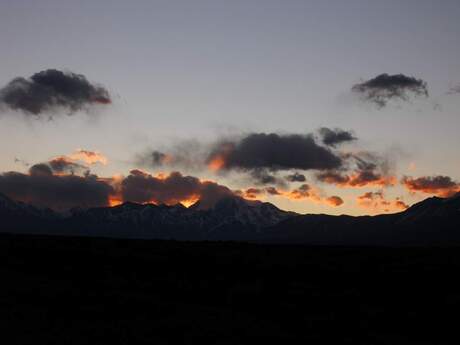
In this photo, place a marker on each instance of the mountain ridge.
(431, 221)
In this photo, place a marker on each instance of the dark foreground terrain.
(57, 290)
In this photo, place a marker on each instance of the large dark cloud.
(172, 189)
(334, 137)
(50, 90)
(41, 188)
(384, 88)
(439, 185)
(274, 152)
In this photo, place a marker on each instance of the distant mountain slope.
(229, 218)
(432, 221)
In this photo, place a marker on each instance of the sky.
(185, 76)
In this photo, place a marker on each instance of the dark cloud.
(334, 137)
(273, 152)
(334, 201)
(41, 188)
(187, 155)
(296, 177)
(58, 165)
(40, 169)
(153, 159)
(333, 177)
(371, 196)
(272, 191)
(304, 191)
(253, 193)
(263, 177)
(172, 189)
(50, 90)
(368, 170)
(454, 90)
(65, 165)
(384, 88)
(438, 185)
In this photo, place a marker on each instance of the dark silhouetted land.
(67, 290)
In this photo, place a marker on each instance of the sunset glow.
(216, 164)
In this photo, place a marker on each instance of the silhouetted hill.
(82, 290)
(434, 221)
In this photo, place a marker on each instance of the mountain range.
(434, 221)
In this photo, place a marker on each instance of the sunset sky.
(244, 94)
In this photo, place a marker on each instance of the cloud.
(253, 193)
(334, 201)
(309, 192)
(47, 185)
(442, 186)
(296, 177)
(335, 137)
(272, 191)
(89, 157)
(52, 90)
(377, 202)
(68, 164)
(184, 155)
(305, 191)
(369, 170)
(263, 177)
(156, 159)
(42, 188)
(63, 164)
(454, 90)
(273, 152)
(170, 189)
(259, 156)
(383, 88)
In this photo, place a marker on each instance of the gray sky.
(202, 69)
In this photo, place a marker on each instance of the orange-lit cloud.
(273, 191)
(216, 163)
(357, 180)
(376, 202)
(334, 200)
(303, 192)
(89, 157)
(170, 189)
(253, 193)
(442, 186)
